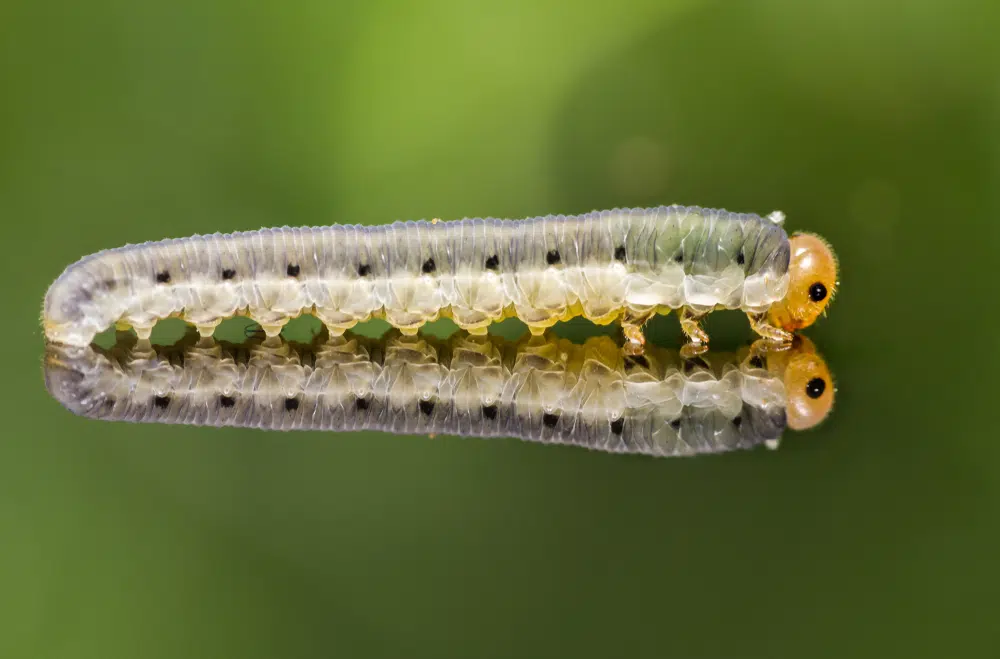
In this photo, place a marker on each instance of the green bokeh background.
(876, 124)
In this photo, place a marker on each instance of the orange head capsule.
(812, 283)
(809, 387)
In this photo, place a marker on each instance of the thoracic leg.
(635, 340)
(758, 321)
(690, 325)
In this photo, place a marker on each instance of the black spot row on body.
(228, 273)
(163, 277)
(493, 262)
(618, 425)
(364, 270)
(428, 267)
(620, 253)
(552, 257)
(293, 270)
(489, 412)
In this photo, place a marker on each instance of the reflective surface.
(875, 124)
(541, 389)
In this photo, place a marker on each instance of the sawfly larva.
(538, 389)
(622, 265)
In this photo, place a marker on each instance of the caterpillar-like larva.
(610, 265)
(539, 389)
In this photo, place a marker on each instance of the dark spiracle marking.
(679, 257)
(163, 277)
(293, 270)
(361, 403)
(161, 401)
(427, 407)
(618, 425)
(489, 412)
(291, 404)
(620, 253)
(676, 424)
(227, 401)
(364, 270)
(817, 292)
(737, 421)
(740, 259)
(428, 267)
(493, 263)
(815, 387)
(228, 273)
(550, 420)
(756, 362)
(552, 257)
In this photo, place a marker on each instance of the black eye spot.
(620, 253)
(361, 403)
(815, 387)
(675, 424)
(291, 404)
(293, 270)
(618, 425)
(427, 407)
(227, 401)
(679, 257)
(738, 421)
(162, 277)
(228, 273)
(552, 257)
(817, 292)
(550, 420)
(364, 270)
(489, 412)
(428, 267)
(161, 401)
(740, 259)
(493, 262)
(756, 362)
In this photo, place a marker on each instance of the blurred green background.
(876, 124)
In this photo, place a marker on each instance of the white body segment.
(476, 271)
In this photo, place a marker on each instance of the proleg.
(619, 265)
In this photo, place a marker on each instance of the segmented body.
(544, 390)
(603, 265)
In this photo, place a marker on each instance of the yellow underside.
(535, 328)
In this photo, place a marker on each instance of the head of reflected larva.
(809, 386)
(812, 272)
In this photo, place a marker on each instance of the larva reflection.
(624, 265)
(540, 389)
